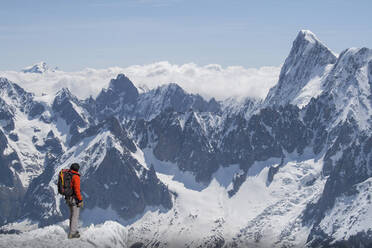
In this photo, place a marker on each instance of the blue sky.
(103, 33)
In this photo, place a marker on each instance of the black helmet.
(75, 167)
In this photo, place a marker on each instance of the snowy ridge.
(25, 132)
(40, 67)
(349, 83)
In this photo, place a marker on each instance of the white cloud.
(209, 81)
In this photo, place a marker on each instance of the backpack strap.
(74, 173)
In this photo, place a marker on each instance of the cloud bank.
(209, 81)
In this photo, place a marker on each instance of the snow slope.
(351, 214)
(108, 234)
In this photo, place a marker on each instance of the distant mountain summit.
(40, 67)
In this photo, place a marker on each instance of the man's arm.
(76, 187)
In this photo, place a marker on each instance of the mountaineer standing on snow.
(69, 186)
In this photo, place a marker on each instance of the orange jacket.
(76, 184)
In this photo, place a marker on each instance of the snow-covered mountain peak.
(40, 67)
(308, 35)
(355, 56)
(307, 63)
(16, 96)
(308, 39)
(63, 94)
(122, 84)
(121, 92)
(353, 69)
(350, 85)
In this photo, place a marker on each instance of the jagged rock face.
(169, 136)
(6, 116)
(38, 202)
(197, 149)
(266, 134)
(9, 160)
(318, 114)
(123, 100)
(179, 138)
(11, 190)
(65, 104)
(120, 94)
(348, 163)
(18, 98)
(172, 96)
(114, 126)
(115, 184)
(51, 144)
(5, 173)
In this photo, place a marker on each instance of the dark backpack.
(65, 183)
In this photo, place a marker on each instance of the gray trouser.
(74, 216)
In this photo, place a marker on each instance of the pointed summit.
(121, 91)
(63, 97)
(306, 43)
(306, 40)
(308, 36)
(308, 59)
(64, 93)
(40, 67)
(122, 84)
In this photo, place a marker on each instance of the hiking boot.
(74, 235)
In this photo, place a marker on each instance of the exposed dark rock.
(36, 109)
(11, 188)
(120, 92)
(63, 104)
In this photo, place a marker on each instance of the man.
(75, 202)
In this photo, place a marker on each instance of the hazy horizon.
(101, 34)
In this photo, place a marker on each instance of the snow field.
(257, 208)
(108, 234)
